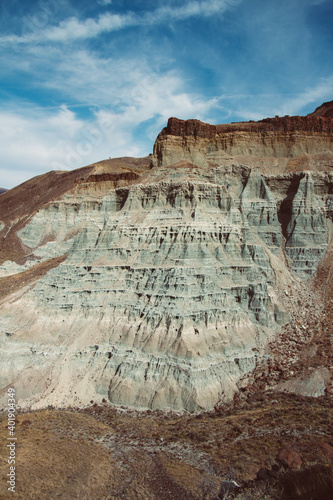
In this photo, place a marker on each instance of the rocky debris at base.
(300, 359)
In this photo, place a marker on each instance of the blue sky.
(86, 80)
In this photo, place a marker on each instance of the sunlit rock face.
(274, 145)
(172, 286)
(306, 233)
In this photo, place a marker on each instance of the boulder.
(289, 458)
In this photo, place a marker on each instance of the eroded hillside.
(165, 282)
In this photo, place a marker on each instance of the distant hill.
(3, 190)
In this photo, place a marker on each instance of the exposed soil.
(107, 453)
(14, 282)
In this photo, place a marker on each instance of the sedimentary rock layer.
(169, 281)
(279, 141)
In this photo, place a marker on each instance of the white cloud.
(36, 140)
(27, 145)
(75, 29)
(191, 9)
(130, 102)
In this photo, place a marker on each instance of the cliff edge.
(280, 144)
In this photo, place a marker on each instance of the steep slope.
(159, 282)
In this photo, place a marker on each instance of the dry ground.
(106, 453)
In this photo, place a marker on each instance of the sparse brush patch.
(312, 483)
(119, 453)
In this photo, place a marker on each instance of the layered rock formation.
(161, 280)
(274, 145)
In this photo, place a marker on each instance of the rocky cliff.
(159, 282)
(274, 145)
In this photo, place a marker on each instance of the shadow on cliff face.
(285, 210)
(121, 198)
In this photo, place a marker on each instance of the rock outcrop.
(162, 280)
(274, 145)
(325, 110)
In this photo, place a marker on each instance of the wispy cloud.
(75, 29)
(36, 139)
(192, 9)
(71, 96)
(323, 90)
(259, 106)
